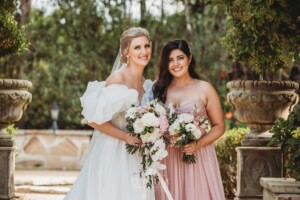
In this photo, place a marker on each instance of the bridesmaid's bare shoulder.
(204, 86)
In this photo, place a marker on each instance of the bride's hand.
(133, 140)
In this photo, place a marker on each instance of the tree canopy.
(79, 40)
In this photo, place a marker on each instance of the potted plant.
(264, 35)
(286, 134)
(14, 95)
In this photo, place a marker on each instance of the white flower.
(159, 144)
(185, 118)
(190, 127)
(155, 135)
(174, 128)
(131, 112)
(146, 137)
(159, 109)
(150, 171)
(159, 155)
(138, 126)
(149, 119)
(160, 166)
(196, 133)
(153, 169)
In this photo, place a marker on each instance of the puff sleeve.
(100, 104)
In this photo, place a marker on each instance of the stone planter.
(259, 103)
(14, 98)
(280, 188)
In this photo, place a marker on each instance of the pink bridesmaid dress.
(199, 181)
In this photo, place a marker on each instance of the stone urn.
(14, 98)
(259, 103)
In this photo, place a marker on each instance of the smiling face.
(178, 64)
(139, 51)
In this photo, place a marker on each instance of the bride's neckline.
(140, 97)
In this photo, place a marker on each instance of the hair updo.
(126, 38)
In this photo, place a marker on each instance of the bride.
(109, 172)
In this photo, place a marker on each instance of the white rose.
(196, 133)
(174, 128)
(155, 135)
(159, 144)
(138, 126)
(131, 113)
(146, 138)
(185, 118)
(159, 155)
(159, 109)
(149, 119)
(190, 127)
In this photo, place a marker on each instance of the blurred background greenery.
(73, 42)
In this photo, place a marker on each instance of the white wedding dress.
(109, 172)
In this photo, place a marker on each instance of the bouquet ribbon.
(164, 186)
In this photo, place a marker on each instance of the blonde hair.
(126, 38)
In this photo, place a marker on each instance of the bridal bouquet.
(185, 128)
(148, 123)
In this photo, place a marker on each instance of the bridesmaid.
(179, 84)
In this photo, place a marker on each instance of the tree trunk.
(143, 21)
(187, 17)
(25, 9)
(162, 11)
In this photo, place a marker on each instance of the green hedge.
(227, 158)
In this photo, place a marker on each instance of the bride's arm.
(109, 129)
(215, 115)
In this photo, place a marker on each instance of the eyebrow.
(138, 45)
(181, 55)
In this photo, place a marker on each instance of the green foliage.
(69, 48)
(12, 37)
(287, 136)
(79, 41)
(227, 158)
(264, 34)
(11, 129)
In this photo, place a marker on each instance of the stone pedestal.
(280, 189)
(253, 163)
(7, 156)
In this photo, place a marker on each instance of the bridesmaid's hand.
(190, 149)
(133, 140)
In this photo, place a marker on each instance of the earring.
(127, 60)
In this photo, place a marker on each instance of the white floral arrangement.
(149, 123)
(185, 128)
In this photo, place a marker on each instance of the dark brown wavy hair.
(165, 77)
